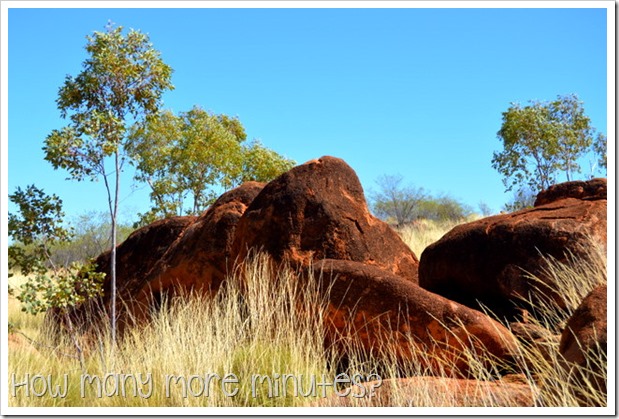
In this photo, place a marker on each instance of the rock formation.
(380, 300)
(382, 313)
(318, 211)
(489, 261)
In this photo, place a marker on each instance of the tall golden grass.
(421, 233)
(269, 323)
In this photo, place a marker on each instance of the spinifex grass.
(421, 233)
(262, 323)
(561, 384)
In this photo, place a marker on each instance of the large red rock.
(427, 391)
(380, 314)
(200, 258)
(580, 189)
(178, 254)
(318, 210)
(583, 345)
(488, 260)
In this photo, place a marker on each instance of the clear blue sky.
(417, 92)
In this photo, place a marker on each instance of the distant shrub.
(400, 204)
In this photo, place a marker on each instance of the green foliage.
(442, 208)
(40, 217)
(34, 230)
(122, 80)
(60, 289)
(49, 286)
(193, 157)
(180, 156)
(542, 139)
(599, 148)
(404, 204)
(261, 164)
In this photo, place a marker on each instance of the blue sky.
(416, 92)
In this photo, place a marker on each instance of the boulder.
(170, 256)
(139, 252)
(200, 258)
(427, 391)
(580, 189)
(489, 261)
(583, 345)
(315, 211)
(374, 312)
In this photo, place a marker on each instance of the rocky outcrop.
(139, 253)
(318, 211)
(200, 258)
(489, 261)
(375, 312)
(134, 259)
(579, 189)
(178, 254)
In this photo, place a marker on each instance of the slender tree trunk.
(113, 251)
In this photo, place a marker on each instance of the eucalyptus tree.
(541, 140)
(190, 158)
(121, 83)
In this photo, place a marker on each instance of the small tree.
(396, 201)
(442, 208)
(121, 83)
(38, 225)
(182, 157)
(540, 140)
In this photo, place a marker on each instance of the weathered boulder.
(375, 312)
(580, 189)
(169, 256)
(487, 261)
(134, 259)
(200, 258)
(583, 345)
(317, 210)
(428, 391)
(140, 251)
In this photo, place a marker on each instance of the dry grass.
(422, 233)
(271, 323)
(258, 325)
